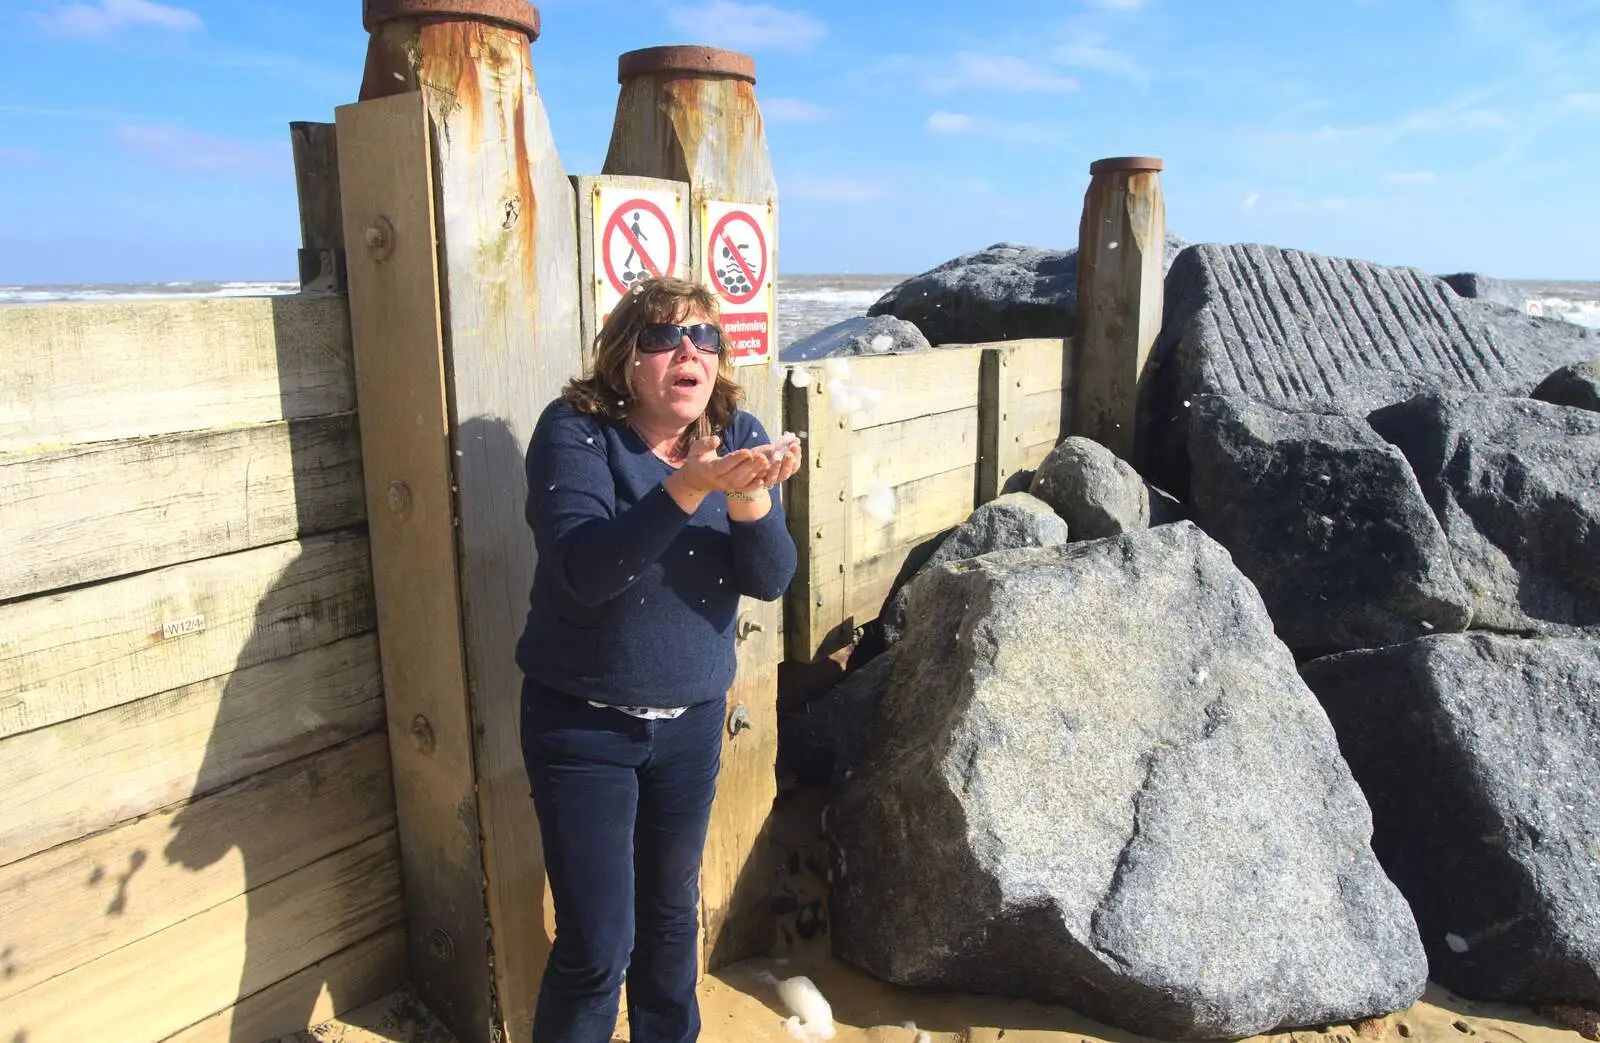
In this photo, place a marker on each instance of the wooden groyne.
(267, 562)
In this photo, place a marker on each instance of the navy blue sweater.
(634, 601)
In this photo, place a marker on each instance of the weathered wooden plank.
(94, 371)
(76, 902)
(71, 779)
(1043, 364)
(1044, 417)
(386, 176)
(168, 981)
(999, 394)
(890, 388)
(316, 177)
(894, 454)
(918, 509)
(1032, 456)
(90, 512)
(90, 649)
(513, 342)
(818, 500)
(873, 577)
(351, 978)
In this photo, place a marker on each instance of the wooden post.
(316, 176)
(690, 114)
(1121, 265)
(821, 503)
(999, 420)
(504, 225)
(400, 392)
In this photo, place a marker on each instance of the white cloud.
(108, 16)
(792, 110)
(1250, 201)
(1118, 5)
(191, 151)
(942, 122)
(1465, 114)
(1089, 52)
(1587, 102)
(727, 23)
(835, 189)
(1005, 72)
(1411, 178)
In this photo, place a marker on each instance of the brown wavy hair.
(606, 387)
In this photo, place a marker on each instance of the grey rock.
(1327, 520)
(1004, 292)
(1515, 484)
(1097, 492)
(1009, 522)
(1300, 331)
(1096, 779)
(1577, 385)
(820, 741)
(1487, 288)
(1479, 755)
(861, 335)
(1017, 482)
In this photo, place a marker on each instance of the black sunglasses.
(657, 337)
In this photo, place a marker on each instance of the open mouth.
(687, 382)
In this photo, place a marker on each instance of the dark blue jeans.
(623, 808)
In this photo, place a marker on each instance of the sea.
(806, 303)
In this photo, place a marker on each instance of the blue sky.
(148, 141)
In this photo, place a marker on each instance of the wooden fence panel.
(918, 509)
(893, 455)
(1044, 364)
(97, 647)
(887, 389)
(350, 978)
(71, 779)
(1041, 418)
(208, 961)
(90, 512)
(925, 438)
(91, 372)
(66, 906)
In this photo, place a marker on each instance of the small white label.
(180, 627)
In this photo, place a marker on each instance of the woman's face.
(672, 387)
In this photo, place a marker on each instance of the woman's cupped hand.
(741, 471)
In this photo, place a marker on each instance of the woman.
(652, 514)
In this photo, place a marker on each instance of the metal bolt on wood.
(399, 496)
(380, 239)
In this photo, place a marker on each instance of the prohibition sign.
(617, 225)
(734, 289)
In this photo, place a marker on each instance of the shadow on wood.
(323, 918)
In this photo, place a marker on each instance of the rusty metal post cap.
(1131, 163)
(687, 60)
(514, 14)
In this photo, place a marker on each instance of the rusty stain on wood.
(683, 122)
